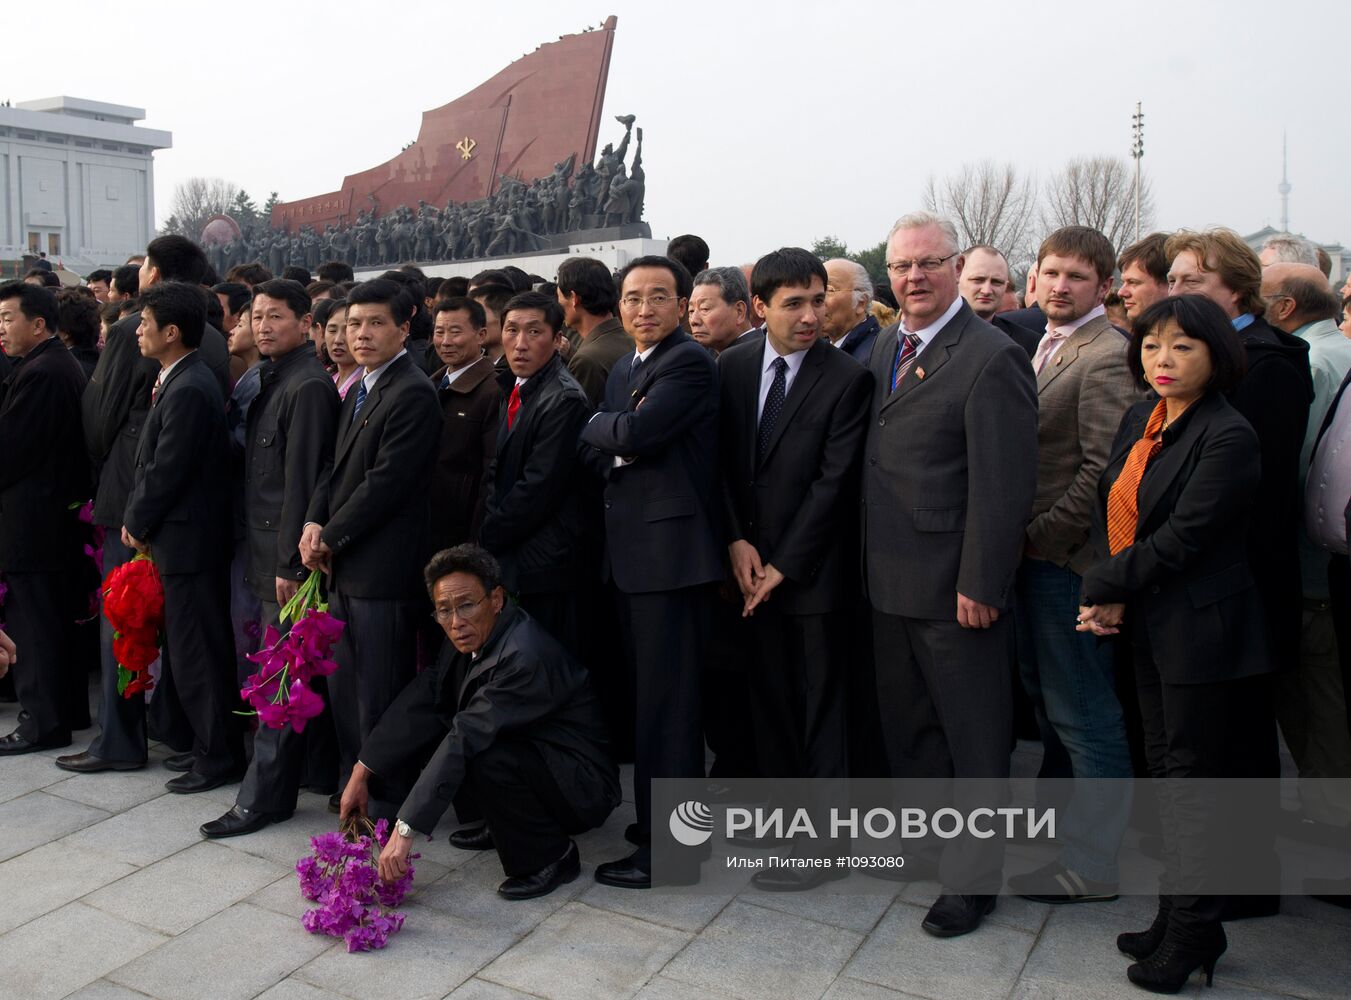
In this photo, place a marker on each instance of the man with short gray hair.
(949, 477)
(1288, 248)
(848, 323)
(720, 308)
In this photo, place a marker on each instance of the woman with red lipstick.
(1171, 526)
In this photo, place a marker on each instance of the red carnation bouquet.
(279, 692)
(133, 603)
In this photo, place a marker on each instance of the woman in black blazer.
(1172, 523)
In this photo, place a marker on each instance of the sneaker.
(1041, 886)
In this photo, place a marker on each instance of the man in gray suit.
(949, 475)
(1083, 389)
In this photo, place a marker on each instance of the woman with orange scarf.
(1175, 501)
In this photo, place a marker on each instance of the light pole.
(1137, 151)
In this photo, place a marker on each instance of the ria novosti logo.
(691, 823)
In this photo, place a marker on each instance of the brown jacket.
(1082, 393)
(468, 440)
(592, 362)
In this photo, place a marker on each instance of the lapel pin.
(919, 373)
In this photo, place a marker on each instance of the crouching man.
(505, 727)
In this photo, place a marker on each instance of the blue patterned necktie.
(905, 358)
(633, 368)
(361, 398)
(778, 392)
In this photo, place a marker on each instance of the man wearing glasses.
(653, 444)
(949, 474)
(506, 728)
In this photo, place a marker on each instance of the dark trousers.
(1199, 731)
(376, 657)
(666, 636)
(945, 695)
(201, 665)
(726, 687)
(797, 694)
(1339, 589)
(513, 789)
(39, 618)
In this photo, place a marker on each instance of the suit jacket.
(468, 439)
(1082, 394)
(180, 497)
(1327, 422)
(661, 510)
(522, 686)
(1274, 397)
(44, 468)
(591, 363)
(375, 506)
(1186, 580)
(797, 503)
(535, 517)
(858, 342)
(1031, 318)
(116, 404)
(1028, 339)
(949, 471)
(288, 451)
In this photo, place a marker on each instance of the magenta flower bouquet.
(341, 875)
(279, 692)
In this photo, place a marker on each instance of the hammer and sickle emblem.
(466, 147)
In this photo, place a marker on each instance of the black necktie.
(778, 391)
(633, 368)
(361, 398)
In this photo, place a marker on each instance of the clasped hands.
(1100, 619)
(393, 863)
(755, 580)
(314, 552)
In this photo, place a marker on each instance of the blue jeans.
(1073, 691)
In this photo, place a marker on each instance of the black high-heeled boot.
(1140, 945)
(1169, 968)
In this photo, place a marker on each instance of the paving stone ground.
(107, 892)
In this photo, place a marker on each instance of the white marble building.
(77, 178)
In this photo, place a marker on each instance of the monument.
(503, 160)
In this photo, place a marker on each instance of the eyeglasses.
(656, 301)
(463, 611)
(928, 265)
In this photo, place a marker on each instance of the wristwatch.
(403, 829)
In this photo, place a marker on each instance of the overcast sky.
(765, 124)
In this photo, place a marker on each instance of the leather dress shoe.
(795, 879)
(180, 761)
(953, 915)
(87, 763)
(625, 873)
(240, 821)
(14, 744)
(474, 838)
(192, 782)
(544, 881)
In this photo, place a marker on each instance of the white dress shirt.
(372, 377)
(767, 373)
(928, 333)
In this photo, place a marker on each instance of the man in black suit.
(535, 521)
(653, 443)
(367, 525)
(43, 473)
(587, 293)
(288, 450)
(470, 400)
(505, 727)
(948, 480)
(179, 511)
(985, 276)
(116, 405)
(791, 424)
(493, 298)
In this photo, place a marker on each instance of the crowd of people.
(772, 514)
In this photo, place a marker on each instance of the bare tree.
(1098, 191)
(989, 203)
(196, 200)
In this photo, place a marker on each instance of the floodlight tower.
(1284, 188)
(1137, 151)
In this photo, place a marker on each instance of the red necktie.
(513, 405)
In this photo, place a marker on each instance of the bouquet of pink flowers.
(341, 874)
(280, 691)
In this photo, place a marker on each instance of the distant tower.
(1284, 188)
